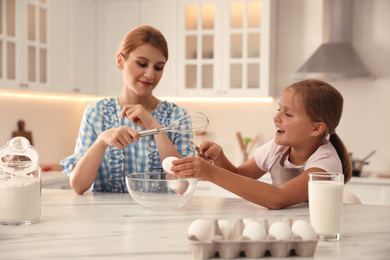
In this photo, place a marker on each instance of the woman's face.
(293, 125)
(142, 70)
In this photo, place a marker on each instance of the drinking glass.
(326, 203)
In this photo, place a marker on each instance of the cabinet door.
(24, 45)
(117, 18)
(8, 42)
(84, 46)
(200, 52)
(35, 46)
(225, 47)
(73, 51)
(246, 56)
(162, 14)
(61, 48)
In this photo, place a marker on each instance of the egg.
(198, 229)
(280, 231)
(304, 230)
(225, 227)
(246, 221)
(167, 163)
(254, 231)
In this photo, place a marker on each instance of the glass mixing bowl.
(160, 190)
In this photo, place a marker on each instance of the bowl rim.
(165, 173)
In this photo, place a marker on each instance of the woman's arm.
(85, 171)
(137, 114)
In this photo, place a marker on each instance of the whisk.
(195, 122)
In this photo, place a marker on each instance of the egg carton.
(214, 245)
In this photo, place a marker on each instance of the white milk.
(325, 203)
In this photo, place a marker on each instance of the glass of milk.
(325, 204)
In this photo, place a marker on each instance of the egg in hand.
(167, 163)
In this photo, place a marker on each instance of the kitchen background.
(296, 32)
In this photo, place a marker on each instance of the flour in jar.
(20, 199)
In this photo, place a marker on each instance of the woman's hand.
(192, 167)
(140, 116)
(119, 137)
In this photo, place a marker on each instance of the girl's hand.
(211, 150)
(192, 167)
(119, 137)
(140, 116)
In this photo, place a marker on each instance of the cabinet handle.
(23, 85)
(76, 90)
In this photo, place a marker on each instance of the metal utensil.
(368, 156)
(196, 123)
(196, 148)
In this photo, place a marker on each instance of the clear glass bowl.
(160, 190)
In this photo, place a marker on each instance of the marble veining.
(113, 226)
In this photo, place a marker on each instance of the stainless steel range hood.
(335, 58)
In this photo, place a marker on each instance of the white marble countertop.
(113, 226)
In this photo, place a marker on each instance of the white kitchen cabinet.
(116, 19)
(24, 45)
(48, 46)
(162, 14)
(224, 47)
(73, 46)
(370, 190)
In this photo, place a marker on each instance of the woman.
(108, 144)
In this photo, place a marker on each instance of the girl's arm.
(292, 192)
(215, 152)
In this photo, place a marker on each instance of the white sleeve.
(266, 154)
(325, 158)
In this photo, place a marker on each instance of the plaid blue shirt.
(138, 157)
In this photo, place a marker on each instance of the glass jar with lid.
(20, 183)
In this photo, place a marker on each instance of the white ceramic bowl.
(160, 190)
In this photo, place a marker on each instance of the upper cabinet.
(116, 19)
(216, 47)
(73, 52)
(225, 47)
(48, 45)
(24, 45)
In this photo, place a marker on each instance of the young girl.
(309, 112)
(105, 148)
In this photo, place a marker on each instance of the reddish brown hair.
(142, 35)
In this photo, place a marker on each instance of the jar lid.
(18, 155)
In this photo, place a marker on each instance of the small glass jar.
(20, 183)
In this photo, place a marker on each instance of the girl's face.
(293, 125)
(142, 70)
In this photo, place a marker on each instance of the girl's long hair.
(324, 103)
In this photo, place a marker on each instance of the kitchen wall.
(364, 126)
